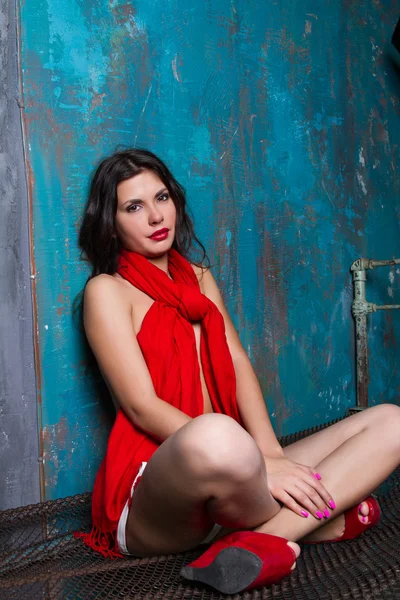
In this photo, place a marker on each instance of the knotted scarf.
(168, 344)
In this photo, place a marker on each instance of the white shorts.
(121, 530)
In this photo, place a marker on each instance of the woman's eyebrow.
(164, 189)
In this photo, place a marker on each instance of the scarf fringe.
(104, 543)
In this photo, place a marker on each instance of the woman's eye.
(163, 197)
(133, 208)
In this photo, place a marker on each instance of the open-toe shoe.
(353, 527)
(242, 560)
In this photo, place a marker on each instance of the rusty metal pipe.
(360, 309)
(360, 316)
(384, 263)
(387, 307)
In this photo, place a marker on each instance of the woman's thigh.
(313, 449)
(191, 468)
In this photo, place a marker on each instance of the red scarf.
(167, 341)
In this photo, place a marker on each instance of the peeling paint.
(281, 124)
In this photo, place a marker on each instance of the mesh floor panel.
(40, 558)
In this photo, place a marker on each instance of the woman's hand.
(298, 487)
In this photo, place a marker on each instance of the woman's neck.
(161, 262)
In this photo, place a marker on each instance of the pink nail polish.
(332, 504)
(364, 519)
(326, 513)
(317, 476)
(319, 514)
(304, 513)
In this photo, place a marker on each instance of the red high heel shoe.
(353, 527)
(242, 561)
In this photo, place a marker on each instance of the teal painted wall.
(282, 120)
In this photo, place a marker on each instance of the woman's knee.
(391, 414)
(216, 445)
(385, 413)
(387, 417)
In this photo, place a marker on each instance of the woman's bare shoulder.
(107, 289)
(109, 284)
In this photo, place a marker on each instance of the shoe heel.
(231, 571)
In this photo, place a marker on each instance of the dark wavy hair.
(97, 241)
(100, 247)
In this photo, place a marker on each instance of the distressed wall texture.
(19, 481)
(281, 118)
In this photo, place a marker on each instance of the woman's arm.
(249, 396)
(109, 329)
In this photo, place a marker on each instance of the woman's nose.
(155, 216)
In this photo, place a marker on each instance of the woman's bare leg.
(210, 471)
(353, 458)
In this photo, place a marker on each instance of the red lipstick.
(159, 235)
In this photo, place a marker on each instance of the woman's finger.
(291, 503)
(310, 471)
(308, 497)
(321, 490)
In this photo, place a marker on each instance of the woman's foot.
(367, 514)
(243, 560)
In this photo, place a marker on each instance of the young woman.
(191, 421)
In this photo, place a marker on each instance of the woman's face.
(146, 215)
